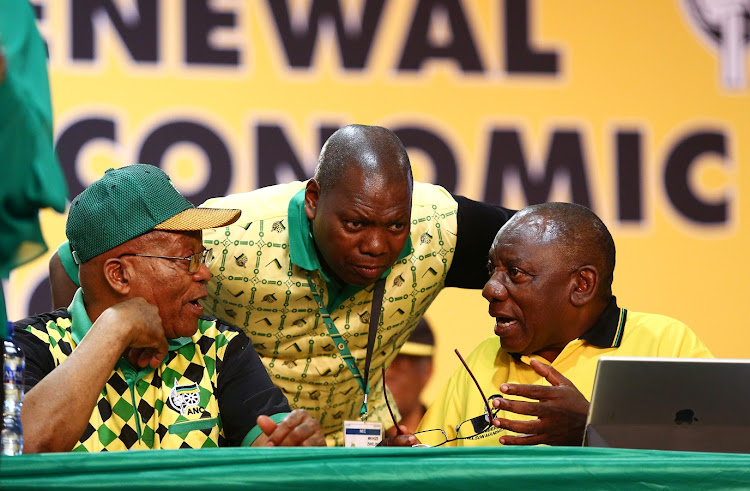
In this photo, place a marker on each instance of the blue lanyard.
(377, 302)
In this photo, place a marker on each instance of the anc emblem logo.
(185, 399)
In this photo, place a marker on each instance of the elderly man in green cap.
(133, 363)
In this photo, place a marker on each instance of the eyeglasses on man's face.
(194, 260)
(479, 424)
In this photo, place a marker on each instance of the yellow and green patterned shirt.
(260, 283)
(207, 392)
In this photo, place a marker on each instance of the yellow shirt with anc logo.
(207, 392)
(617, 332)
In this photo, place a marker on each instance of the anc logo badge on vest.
(185, 399)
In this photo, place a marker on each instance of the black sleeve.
(478, 224)
(245, 390)
(39, 360)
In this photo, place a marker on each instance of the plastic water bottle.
(11, 440)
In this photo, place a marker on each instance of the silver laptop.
(695, 404)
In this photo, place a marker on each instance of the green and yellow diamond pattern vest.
(172, 406)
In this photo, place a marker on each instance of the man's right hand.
(139, 324)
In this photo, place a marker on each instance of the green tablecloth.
(348, 468)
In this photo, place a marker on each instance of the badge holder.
(362, 433)
(357, 433)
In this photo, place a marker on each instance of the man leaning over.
(550, 293)
(133, 363)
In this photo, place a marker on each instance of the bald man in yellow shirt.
(550, 293)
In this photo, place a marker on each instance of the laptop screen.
(698, 404)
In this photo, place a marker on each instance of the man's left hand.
(298, 429)
(561, 411)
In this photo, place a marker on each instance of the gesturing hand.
(298, 429)
(561, 411)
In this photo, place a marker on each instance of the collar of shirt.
(608, 328)
(302, 252)
(81, 324)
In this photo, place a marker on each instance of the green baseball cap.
(131, 201)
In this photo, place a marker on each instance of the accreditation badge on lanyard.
(362, 433)
(357, 433)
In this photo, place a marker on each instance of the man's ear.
(585, 285)
(117, 274)
(312, 193)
